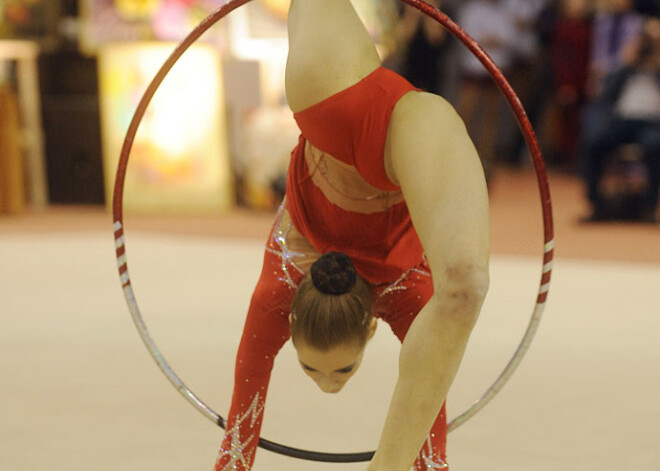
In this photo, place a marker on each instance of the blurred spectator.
(525, 75)
(423, 49)
(525, 15)
(489, 23)
(569, 51)
(631, 96)
(615, 28)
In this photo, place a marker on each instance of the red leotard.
(350, 127)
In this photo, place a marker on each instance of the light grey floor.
(79, 391)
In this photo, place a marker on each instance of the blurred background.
(218, 134)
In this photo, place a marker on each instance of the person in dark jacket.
(631, 103)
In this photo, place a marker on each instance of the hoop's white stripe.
(121, 261)
(130, 296)
(119, 242)
(548, 266)
(125, 278)
(544, 288)
(550, 245)
(117, 226)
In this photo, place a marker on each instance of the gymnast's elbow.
(460, 292)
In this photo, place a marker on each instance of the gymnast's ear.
(371, 330)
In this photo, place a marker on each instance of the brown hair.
(332, 305)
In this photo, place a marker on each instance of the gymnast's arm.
(431, 156)
(265, 332)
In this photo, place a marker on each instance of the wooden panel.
(12, 187)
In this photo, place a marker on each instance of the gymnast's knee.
(465, 288)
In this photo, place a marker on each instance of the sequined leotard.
(339, 135)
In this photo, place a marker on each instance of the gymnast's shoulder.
(421, 118)
(419, 106)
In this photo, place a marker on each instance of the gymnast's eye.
(346, 369)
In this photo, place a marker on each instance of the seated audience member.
(631, 97)
(616, 26)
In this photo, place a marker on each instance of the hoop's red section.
(528, 132)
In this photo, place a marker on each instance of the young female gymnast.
(376, 157)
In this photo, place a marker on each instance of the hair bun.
(334, 273)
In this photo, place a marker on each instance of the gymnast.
(385, 217)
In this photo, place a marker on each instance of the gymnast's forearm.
(430, 357)
(263, 336)
(239, 444)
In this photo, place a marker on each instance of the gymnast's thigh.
(399, 303)
(287, 257)
(329, 50)
(267, 325)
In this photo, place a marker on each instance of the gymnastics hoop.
(544, 190)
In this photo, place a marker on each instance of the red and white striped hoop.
(548, 231)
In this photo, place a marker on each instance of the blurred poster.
(172, 20)
(144, 20)
(28, 19)
(179, 161)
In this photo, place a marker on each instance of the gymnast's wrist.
(384, 463)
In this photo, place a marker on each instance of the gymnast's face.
(332, 369)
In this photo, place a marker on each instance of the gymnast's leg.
(329, 50)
